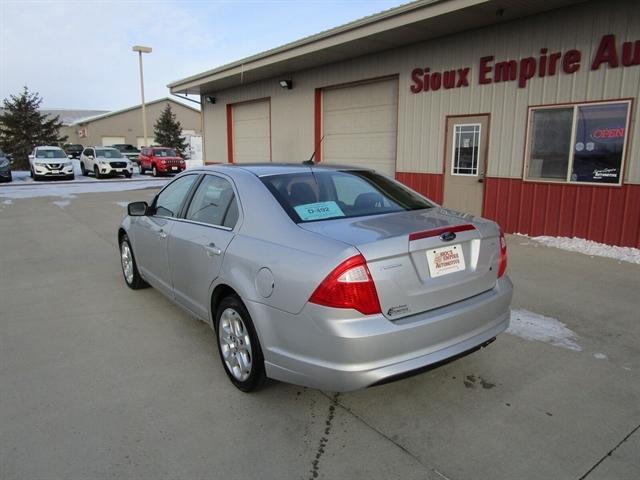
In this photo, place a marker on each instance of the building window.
(581, 143)
(466, 149)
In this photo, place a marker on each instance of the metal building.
(519, 110)
(125, 126)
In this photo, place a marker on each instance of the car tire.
(31, 172)
(96, 171)
(142, 170)
(154, 171)
(85, 172)
(128, 174)
(238, 345)
(129, 266)
(71, 177)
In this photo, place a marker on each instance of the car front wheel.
(84, 171)
(129, 267)
(154, 171)
(96, 172)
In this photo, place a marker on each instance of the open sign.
(604, 134)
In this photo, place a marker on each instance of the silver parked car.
(331, 277)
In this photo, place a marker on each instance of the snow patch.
(589, 247)
(7, 202)
(600, 356)
(62, 203)
(532, 326)
(64, 190)
(123, 204)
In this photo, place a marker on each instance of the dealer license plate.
(445, 260)
(55, 172)
(174, 168)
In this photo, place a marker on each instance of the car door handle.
(212, 250)
(162, 234)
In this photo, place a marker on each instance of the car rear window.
(322, 195)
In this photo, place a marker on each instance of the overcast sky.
(77, 54)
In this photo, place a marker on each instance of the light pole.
(140, 49)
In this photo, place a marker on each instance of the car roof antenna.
(310, 161)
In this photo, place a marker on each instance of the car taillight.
(502, 263)
(349, 285)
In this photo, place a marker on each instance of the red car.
(160, 160)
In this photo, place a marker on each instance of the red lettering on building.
(606, 53)
(521, 71)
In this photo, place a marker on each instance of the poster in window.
(599, 144)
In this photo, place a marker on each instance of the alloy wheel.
(127, 262)
(235, 344)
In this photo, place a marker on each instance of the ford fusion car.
(336, 278)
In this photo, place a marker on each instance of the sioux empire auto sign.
(546, 64)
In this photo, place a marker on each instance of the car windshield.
(108, 153)
(50, 154)
(165, 152)
(322, 195)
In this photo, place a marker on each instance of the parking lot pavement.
(99, 381)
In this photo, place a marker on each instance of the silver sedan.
(336, 278)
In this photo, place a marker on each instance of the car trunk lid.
(421, 260)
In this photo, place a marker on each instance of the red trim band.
(229, 133)
(439, 231)
(317, 130)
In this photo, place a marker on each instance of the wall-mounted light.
(210, 99)
(288, 84)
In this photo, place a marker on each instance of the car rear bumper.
(332, 349)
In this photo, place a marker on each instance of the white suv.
(50, 162)
(104, 161)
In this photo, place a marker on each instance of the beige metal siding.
(421, 117)
(360, 125)
(251, 132)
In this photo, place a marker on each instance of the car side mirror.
(138, 209)
(69, 156)
(31, 157)
(90, 157)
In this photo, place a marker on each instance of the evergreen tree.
(168, 131)
(23, 127)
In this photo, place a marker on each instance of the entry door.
(465, 163)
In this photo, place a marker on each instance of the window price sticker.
(318, 211)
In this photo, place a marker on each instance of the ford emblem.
(447, 236)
